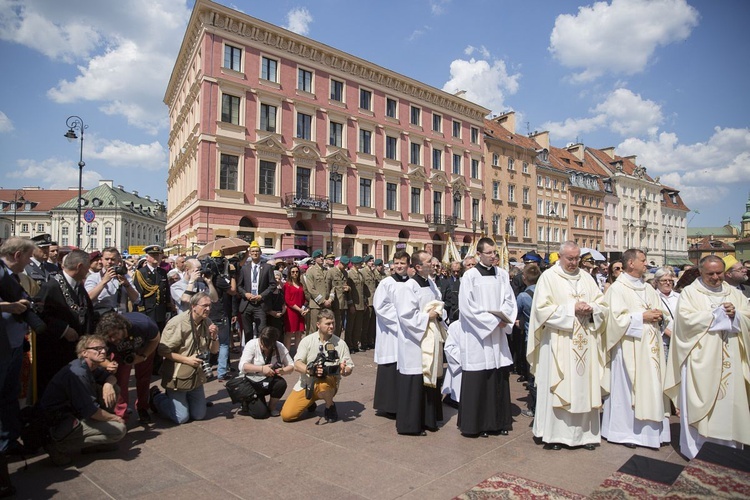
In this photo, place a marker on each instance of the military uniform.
(371, 283)
(316, 293)
(335, 282)
(153, 286)
(358, 299)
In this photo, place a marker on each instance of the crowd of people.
(605, 349)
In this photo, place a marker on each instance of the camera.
(205, 365)
(128, 357)
(121, 270)
(328, 358)
(215, 269)
(13, 292)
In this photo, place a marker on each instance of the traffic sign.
(89, 216)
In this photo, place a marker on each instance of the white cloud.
(122, 154)
(622, 112)
(437, 7)
(298, 20)
(125, 50)
(620, 37)
(704, 171)
(418, 33)
(5, 124)
(486, 82)
(482, 51)
(54, 173)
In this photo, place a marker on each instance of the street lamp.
(551, 213)
(76, 123)
(665, 245)
(335, 179)
(17, 197)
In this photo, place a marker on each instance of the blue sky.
(665, 80)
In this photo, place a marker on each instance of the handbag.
(184, 378)
(241, 390)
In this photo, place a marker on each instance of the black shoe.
(447, 400)
(503, 432)
(483, 435)
(630, 445)
(592, 447)
(331, 414)
(144, 417)
(151, 395)
(311, 407)
(528, 413)
(553, 446)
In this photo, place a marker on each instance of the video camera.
(216, 269)
(328, 358)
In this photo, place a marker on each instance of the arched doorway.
(347, 242)
(302, 237)
(247, 229)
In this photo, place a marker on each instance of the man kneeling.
(322, 359)
(84, 418)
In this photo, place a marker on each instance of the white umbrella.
(596, 254)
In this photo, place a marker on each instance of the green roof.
(117, 198)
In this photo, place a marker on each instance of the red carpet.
(510, 486)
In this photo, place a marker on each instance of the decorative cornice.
(210, 16)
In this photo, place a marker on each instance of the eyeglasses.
(99, 348)
(203, 305)
(294, 272)
(617, 269)
(666, 282)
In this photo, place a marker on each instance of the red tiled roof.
(46, 199)
(494, 129)
(628, 167)
(666, 201)
(705, 244)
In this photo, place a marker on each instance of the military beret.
(344, 260)
(317, 253)
(368, 258)
(378, 262)
(356, 259)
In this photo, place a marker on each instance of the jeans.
(10, 388)
(181, 406)
(225, 336)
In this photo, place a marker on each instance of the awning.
(680, 262)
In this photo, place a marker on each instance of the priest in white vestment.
(386, 336)
(566, 354)
(487, 311)
(708, 371)
(636, 413)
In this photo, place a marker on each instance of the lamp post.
(17, 196)
(76, 123)
(335, 179)
(551, 213)
(665, 245)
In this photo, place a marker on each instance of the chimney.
(103, 182)
(542, 138)
(119, 186)
(632, 158)
(576, 150)
(135, 193)
(507, 121)
(610, 151)
(148, 197)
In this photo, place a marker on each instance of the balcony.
(441, 223)
(306, 205)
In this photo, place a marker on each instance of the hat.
(368, 258)
(254, 244)
(531, 257)
(42, 240)
(216, 253)
(344, 260)
(95, 255)
(587, 257)
(729, 261)
(378, 262)
(356, 259)
(554, 257)
(152, 249)
(330, 256)
(317, 253)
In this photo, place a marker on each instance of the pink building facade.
(278, 138)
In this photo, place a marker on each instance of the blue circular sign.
(89, 216)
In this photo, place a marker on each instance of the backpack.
(241, 390)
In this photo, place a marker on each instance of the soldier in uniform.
(38, 269)
(316, 292)
(371, 283)
(358, 298)
(338, 291)
(380, 270)
(329, 261)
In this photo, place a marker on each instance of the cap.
(95, 255)
(368, 258)
(330, 256)
(554, 257)
(356, 259)
(729, 261)
(344, 260)
(378, 262)
(254, 244)
(531, 257)
(153, 249)
(587, 257)
(42, 240)
(317, 253)
(216, 253)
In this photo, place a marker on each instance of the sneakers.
(56, 455)
(331, 414)
(152, 393)
(143, 416)
(528, 413)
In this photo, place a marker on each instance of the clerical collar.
(484, 270)
(423, 282)
(401, 278)
(574, 273)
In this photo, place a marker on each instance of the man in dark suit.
(255, 284)
(68, 314)
(152, 284)
(449, 290)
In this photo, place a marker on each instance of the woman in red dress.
(294, 295)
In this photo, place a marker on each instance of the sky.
(665, 80)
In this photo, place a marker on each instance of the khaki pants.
(297, 403)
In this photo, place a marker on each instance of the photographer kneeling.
(322, 359)
(185, 344)
(263, 361)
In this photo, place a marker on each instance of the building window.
(511, 224)
(267, 178)
(539, 181)
(415, 117)
(457, 205)
(437, 122)
(65, 230)
(495, 224)
(554, 185)
(546, 182)
(304, 80)
(495, 190)
(390, 107)
(437, 159)
(268, 69)
(474, 169)
(526, 228)
(40, 228)
(335, 188)
(107, 242)
(437, 202)
(108, 231)
(93, 243)
(24, 227)
(511, 192)
(228, 172)
(268, 118)
(495, 160)
(525, 168)
(456, 129)
(457, 164)
(303, 182)
(337, 90)
(365, 99)
(391, 147)
(475, 209)
(474, 135)
(232, 58)
(540, 207)
(230, 109)
(416, 153)
(337, 135)
(365, 192)
(304, 126)
(416, 200)
(525, 196)
(391, 196)
(511, 164)
(365, 141)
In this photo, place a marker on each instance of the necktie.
(255, 273)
